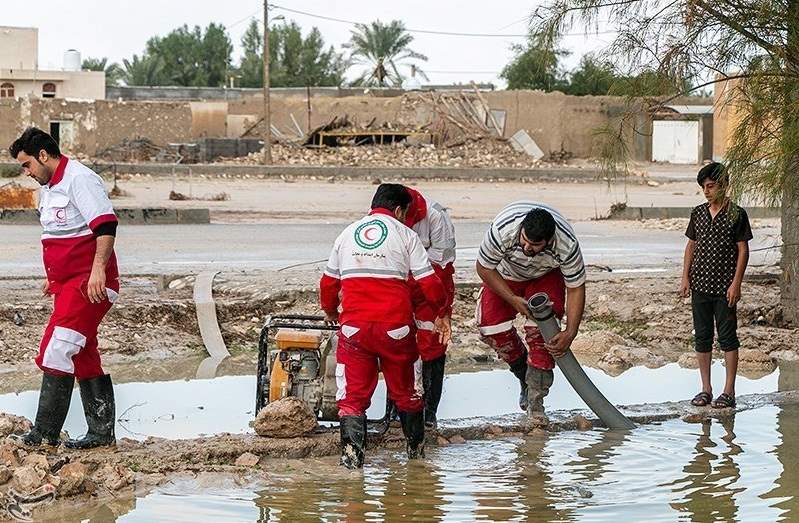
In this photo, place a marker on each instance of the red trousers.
(430, 348)
(495, 319)
(364, 348)
(69, 343)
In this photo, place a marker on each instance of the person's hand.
(560, 343)
(685, 288)
(733, 294)
(45, 287)
(95, 289)
(520, 304)
(331, 317)
(443, 326)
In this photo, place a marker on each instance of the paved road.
(228, 247)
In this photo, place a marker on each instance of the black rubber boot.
(97, 396)
(538, 384)
(413, 428)
(519, 369)
(353, 441)
(54, 398)
(433, 382)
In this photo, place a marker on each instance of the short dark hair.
(539, 225)
(32, 141)
(390, 196)
(713, 171)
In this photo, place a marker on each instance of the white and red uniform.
(559, 266)
(370, 266)
(71, 208)
(430, 221)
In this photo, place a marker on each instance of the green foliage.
(9, 171)
(113, 72)
(294, 60)
(383, 49)
(144, 70)
(192, 57)
(536, 66)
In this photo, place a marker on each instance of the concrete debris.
(457, 439)
(15, 196)
(583, 423)
(285, 418)
(248, 459)
(10, 424)
(27, 478)
(484, 153)
(115, 477)
(5, 474)
(596, 342)
(138, 150)
(72, 479)
(522, 142)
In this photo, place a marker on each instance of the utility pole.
(267, 159)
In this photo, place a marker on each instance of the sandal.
(703, 399)
(724, 401)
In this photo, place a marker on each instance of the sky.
(118, 29)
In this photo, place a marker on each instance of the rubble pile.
(138, 150)
(29, 479)
(486, 153)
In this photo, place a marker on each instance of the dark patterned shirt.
(716, 254)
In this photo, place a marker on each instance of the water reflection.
(670, 472)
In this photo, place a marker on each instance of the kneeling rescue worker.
(370, 266)
(79, 228)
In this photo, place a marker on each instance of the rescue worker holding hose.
(432, 223)
(529, 248)
(367, 278)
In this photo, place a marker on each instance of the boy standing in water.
(715, 261)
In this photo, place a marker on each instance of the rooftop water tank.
(72, 61)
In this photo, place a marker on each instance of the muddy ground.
(629, 320)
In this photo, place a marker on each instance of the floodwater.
(739, 469)
(196, 407)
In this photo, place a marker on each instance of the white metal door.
(675, 141)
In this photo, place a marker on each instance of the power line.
(432, 32)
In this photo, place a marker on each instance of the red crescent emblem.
(61, 214)
(368, 233)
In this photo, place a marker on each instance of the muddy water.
(739, 469)
(191, 408)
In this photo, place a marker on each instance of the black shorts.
(707, 309)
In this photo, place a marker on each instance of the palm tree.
(145, 70)
(383, 48)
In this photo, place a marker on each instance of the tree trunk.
(790, 254)
(790, 186)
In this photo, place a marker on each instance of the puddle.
(195, 407)
(740, 469)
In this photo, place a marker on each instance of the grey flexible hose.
(548, 324)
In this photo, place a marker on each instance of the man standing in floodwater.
(715, 261)
(79, 230)
(430, 220)
(529, 248)
(368, 275)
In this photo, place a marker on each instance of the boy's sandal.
(724, 401)
(703, 399)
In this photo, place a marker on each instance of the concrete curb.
(127, 216)
(590, 174)
(649, 213)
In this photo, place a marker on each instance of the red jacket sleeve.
(329, 288)
(446, 275)
(434, 293)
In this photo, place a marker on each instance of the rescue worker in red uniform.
(529, 248)
(79, 229)
(429, 219)
(367, 277)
